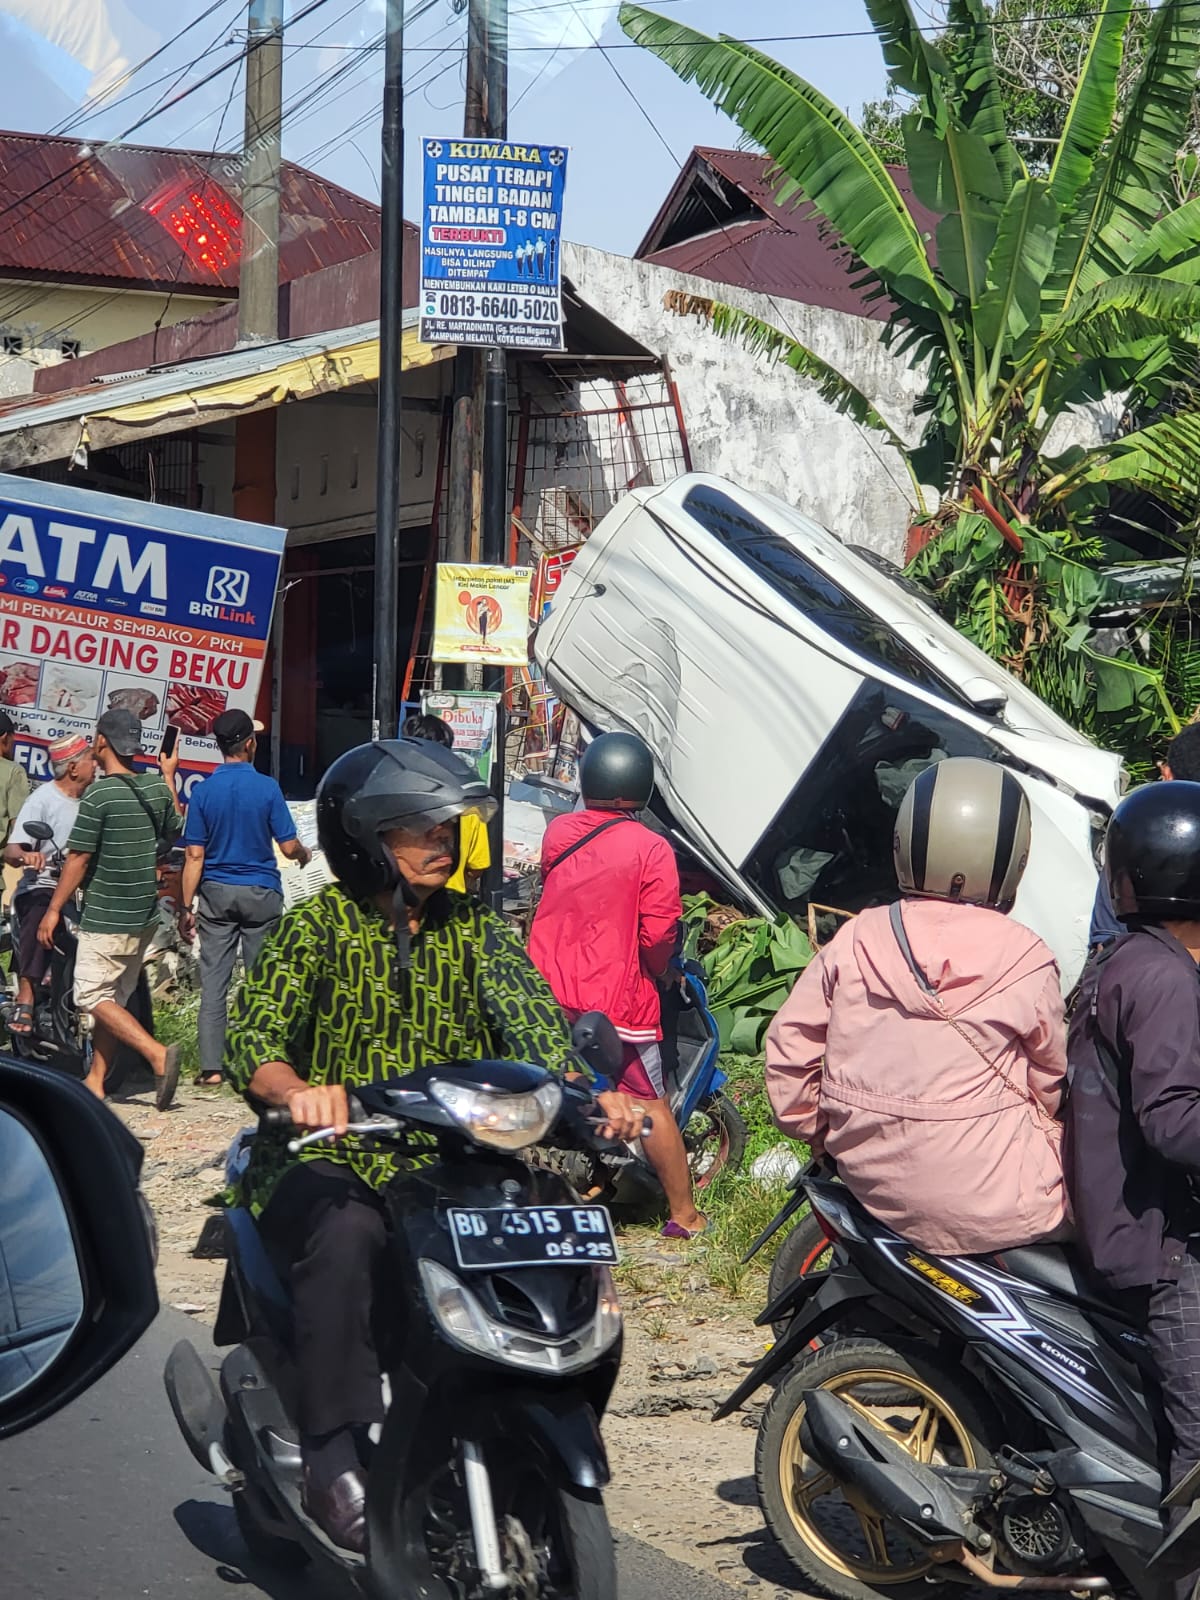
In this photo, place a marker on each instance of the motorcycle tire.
(284, 1555)
(574, 1540)
(715, 1139)
(805, 1249)
(891, 1381)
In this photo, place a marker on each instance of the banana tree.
(1038, 292)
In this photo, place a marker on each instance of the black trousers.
(32, 961)
(325, 1230)
(1173, 1333)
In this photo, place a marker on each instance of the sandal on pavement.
(676, 1230)
(21, 1020)
(210, 1080)
(169, 1081)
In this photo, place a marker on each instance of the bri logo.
(227, 586)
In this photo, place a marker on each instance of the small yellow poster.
(482, 614)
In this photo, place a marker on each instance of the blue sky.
(621, 166)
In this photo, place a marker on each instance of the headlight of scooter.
(465, 1323)
(506, 1121)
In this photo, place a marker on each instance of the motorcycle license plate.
(532, 1236)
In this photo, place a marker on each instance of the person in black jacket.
(1132, 1144)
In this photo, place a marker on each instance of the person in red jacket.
(605, 931)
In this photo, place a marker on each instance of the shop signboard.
(550, 571)
(491, 243)
(473, 719)
(481, 614)
(110, 602)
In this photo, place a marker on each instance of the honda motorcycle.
(60, 1036)
(990, 1421)
(499, 1333)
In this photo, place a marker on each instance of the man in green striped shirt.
(112, 855)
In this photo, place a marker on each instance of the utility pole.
(388, 484)
(258, 273)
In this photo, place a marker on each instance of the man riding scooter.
(382, 972)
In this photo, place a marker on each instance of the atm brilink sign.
(491, 243)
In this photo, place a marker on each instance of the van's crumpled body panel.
(790, 690)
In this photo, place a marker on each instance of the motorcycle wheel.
(842, 1548)
(715, 1140)
(805, 1249)
(285, 1555)
(555, 1539)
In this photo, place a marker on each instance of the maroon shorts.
(641, 1073)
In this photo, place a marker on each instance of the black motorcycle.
(500, 1336)
(59, 1037)
(991, 1421)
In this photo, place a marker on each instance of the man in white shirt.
(56, 804)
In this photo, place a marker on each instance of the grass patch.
(175, 1022)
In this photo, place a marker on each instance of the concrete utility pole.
(389, 479)
(258, 278)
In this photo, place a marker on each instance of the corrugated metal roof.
(721, 221)
(113, 213)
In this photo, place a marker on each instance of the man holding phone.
(230, 873)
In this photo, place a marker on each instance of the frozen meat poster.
(110, 602)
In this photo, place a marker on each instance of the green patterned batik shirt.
(327, 996)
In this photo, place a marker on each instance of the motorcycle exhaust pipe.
(1011, 1581)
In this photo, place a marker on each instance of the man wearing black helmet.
(605, 931)
(1133, 1115)
(380, 973)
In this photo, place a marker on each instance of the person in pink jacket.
(924, 1048)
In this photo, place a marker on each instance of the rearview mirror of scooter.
(39, 832)
(76, 1246)
(597, 1041)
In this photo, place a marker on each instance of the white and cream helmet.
(962, 834)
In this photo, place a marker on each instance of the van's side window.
(809, 589)
(832, 841)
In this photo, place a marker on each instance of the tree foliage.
(1047, 284)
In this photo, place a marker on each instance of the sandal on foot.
(169, 1081)
(210, 1080)
(676, 1230)
(21, 1020)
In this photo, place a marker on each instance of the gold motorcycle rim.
(926, 1426)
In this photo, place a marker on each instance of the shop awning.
(127, 407)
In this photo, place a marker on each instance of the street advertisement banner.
(106, 602)
(491, 243)
(551, 570)
(481, 613)
(473, 719)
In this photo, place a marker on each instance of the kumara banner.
(112, 602)
(481, 614)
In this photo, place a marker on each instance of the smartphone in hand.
(170, 740)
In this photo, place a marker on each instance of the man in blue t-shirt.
(231, 875)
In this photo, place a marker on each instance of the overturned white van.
(791, 690)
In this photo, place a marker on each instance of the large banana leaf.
(1090, 117)
(1172, 245)
(1017, 268)
(763, 339)
(818, 150)
(1137, 183)
(1163, 459)
(1120, 312)
(976, 87)
(915, 65)
(955, 174)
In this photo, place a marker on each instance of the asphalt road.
(103, 1502)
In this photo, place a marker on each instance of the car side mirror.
(39, 832)
(76, 1251)
(598, 1042)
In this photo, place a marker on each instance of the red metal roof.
(155, 218)
(721, 221)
